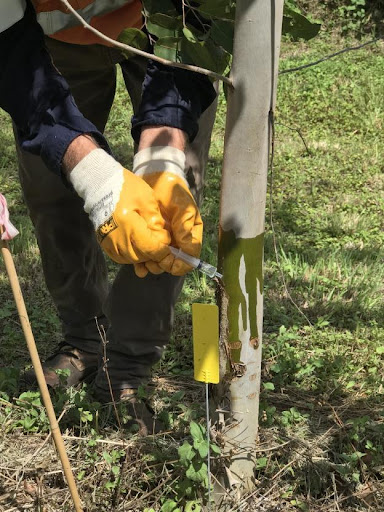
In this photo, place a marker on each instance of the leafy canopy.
(201, 32)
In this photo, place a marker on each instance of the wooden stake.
(23, 315)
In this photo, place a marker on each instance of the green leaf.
(108, 459)
(207, 55)
(200, 442)
(158, 6)
(165, 21)
(215, 449)
(217, 9)
(159, 32)
(275, 368)
(169, 48)
(162, 25)
(196, 431)
(5, 313)
(197, 471)
(269, 386)
(297, 25)
(167, 418)
(190, 35)
(32, 397)
(261, 463)
(110, 485)
(201, 447)
(222, 33)
(380, 350)
(192, 506)
(142, 392)
(115, 470)
(290, 6)
(186, 453)
(85, 416)
(28, 423)
(179, 395)
(169, 506)
(133, 37)
(185, 487)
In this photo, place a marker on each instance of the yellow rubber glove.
(163, 169)
(123, 209)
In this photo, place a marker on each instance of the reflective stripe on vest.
(11, 11)
(55, 21)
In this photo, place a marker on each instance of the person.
(57, 81)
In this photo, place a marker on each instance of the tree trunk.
(243, 197)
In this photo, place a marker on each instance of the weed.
(354, 14)
(191, 487)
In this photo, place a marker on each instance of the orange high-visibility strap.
(111, 23)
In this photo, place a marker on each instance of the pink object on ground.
(9, 230)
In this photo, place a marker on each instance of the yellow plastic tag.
(205, 326)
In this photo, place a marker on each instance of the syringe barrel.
(178, 253)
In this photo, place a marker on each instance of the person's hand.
(7, 229)
(123, 209)
(163, 169)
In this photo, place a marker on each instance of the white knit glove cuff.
(98, 179)
(159, 159)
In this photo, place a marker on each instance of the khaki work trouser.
(136, 313)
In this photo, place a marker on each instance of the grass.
(321, 424)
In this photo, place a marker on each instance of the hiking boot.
(142, 417)
(82, 367)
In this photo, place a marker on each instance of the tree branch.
(146, 55)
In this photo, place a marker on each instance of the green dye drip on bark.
(233, 253)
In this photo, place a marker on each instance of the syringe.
(204, 267)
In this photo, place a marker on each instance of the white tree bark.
(243, 198)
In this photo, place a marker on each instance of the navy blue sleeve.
(36, 96)
(172, 97)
